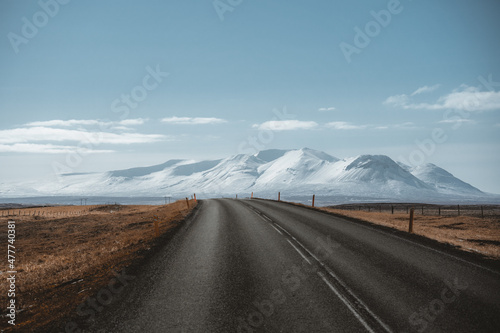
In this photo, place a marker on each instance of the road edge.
(450, 249)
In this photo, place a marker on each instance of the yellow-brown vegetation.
(66, 254)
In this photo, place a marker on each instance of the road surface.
(262, 266)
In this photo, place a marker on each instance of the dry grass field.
(469, 233)
(66, 254)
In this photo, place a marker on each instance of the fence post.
(251, 196)
(157, 228)
(187, 202)
(410, 227)
(195, 198)
(422, 210)
(392, 209)
(458, 206)
(439, 210)
(279, 196)
(314, 196)
(482, 212)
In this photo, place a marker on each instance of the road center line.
(346, 302)
(300, 252)
(278, 230)
(333, 276)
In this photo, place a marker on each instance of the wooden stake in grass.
(195, 198)
(410, 227)
(187, 202)
(157, 228)
(251, 197)
(279, 196)
(314, 196)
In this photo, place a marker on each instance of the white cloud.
(465, 98)
(425, 89)
(47, 149)
(397, 100)
(65, 123)
(342, 125)
(471, 99)
(31, 134)
(457, 121)
(85, 122)
(331, 108)
(286, 125)
(131, 122)
(403, 126)
(193, 121)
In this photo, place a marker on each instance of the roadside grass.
(63, 260)
(472, 234)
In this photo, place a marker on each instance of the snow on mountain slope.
(270, 154)
(441, 179)
(377, 169)
(297, 172)
(142, 171)
(294, 168)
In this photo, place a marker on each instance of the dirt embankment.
(469, 231)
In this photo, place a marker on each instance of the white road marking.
(330, 285)
(347, 303)
(278, 230)
(300, 252)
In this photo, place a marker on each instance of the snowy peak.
(311, 153)
(270, 154)
(378, 169)
(441, 179)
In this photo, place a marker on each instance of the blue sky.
(102, 85)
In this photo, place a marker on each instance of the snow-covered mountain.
(294, 173)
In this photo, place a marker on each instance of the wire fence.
(426, 209)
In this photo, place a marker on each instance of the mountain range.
(294, 173)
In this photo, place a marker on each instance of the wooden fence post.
(482, 212)
(157, 228)
(392, 209)
(195, 198)
(279, 196)
(410, 227)
(251, 197)
(187, 202)
(458, 206)
(314, 196)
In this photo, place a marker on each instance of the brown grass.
(63, 259)
(473, 234)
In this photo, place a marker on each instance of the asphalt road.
(261, 266)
